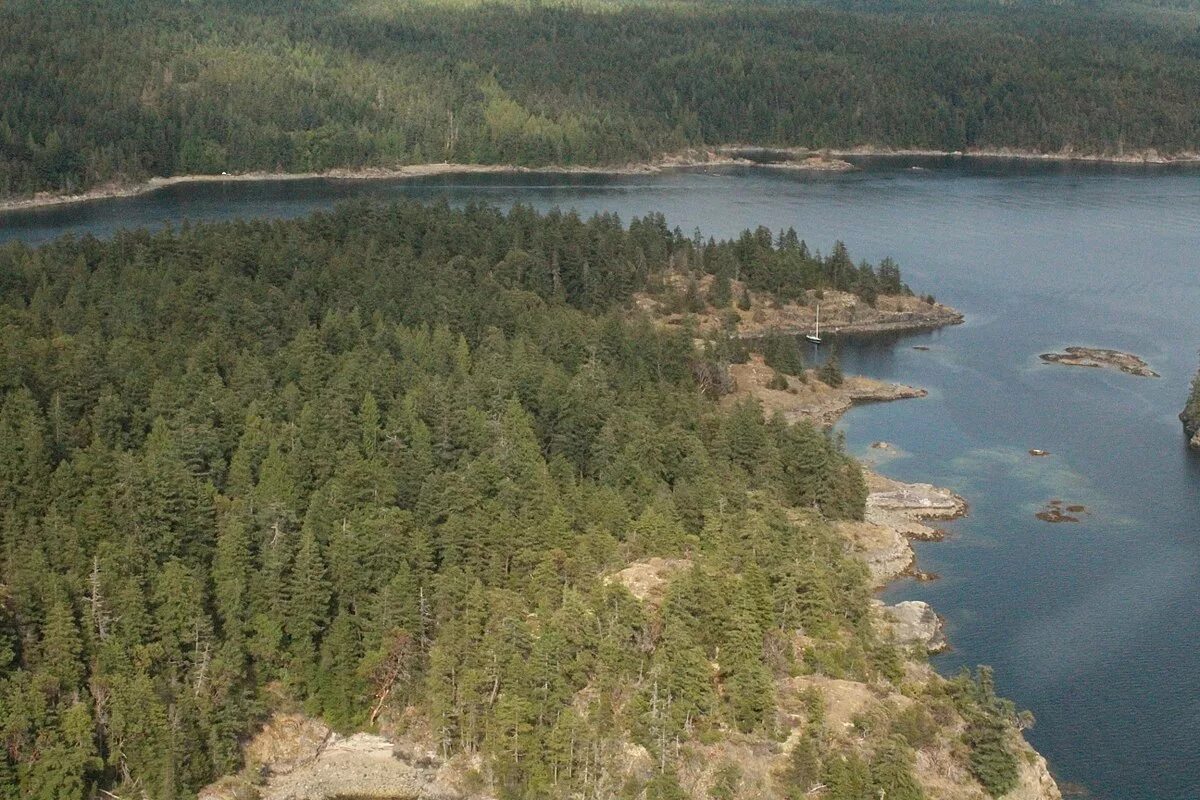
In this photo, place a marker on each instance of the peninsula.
(415, 501)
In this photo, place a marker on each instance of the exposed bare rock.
(286, 742)
(843, 700)
(914, 501)
(362, 766)
(810, 399)
(883, 548)
(894, 517)
(1034, 781)
(842, 313)
(1098, 357)
(1057, 511)
(913, 623)
(229, 788)
(299, 758)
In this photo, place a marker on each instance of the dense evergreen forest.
(384, 457)
(95, 92)
(1190, 416)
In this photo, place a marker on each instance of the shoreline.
(1141, 157)
(822, 160)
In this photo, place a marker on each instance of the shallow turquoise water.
(1093, 626)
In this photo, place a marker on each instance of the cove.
(1091, 625)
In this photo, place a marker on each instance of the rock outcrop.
(895, 515)
(1101, 358)
(299, 758)
(1034, 781)
(810, 399)
(913, 623)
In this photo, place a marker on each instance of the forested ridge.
(1190, 416)
(387, 458)
(122, 91)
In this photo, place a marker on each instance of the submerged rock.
(1058, 511)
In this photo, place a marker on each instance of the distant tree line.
(95, 92)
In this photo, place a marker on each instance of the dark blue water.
(1093, 626)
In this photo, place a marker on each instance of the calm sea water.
(1093, 626)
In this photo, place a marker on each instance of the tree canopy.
(96, 92)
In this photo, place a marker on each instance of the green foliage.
(1191, 410)
(778, 382)
(727, 780)
(916, 726)
(782, 352)
(831, 371)
(206, 87)
(720, 293)
(891, 772)
(391, 456)
(989, 721)
(803, 770)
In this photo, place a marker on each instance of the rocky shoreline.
(695, 157)
(842, 313)
(1190, 416)
(808, 398)
(789, 158)
(1067, 155)
(896, 515)
(295, 757)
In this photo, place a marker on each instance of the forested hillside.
(1190, 416)
(386, 457)
(95, 92)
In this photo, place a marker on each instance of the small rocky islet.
(1096, 357)
(1057, 511)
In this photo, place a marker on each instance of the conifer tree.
(803, 770)
(891, 772)
(308, 604)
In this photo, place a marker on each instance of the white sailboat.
(815, 337)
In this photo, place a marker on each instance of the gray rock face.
(300, 758)
(915, 624)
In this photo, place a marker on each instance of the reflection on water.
(1092, 625)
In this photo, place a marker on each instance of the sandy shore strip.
(700, 157)
(789, 158)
